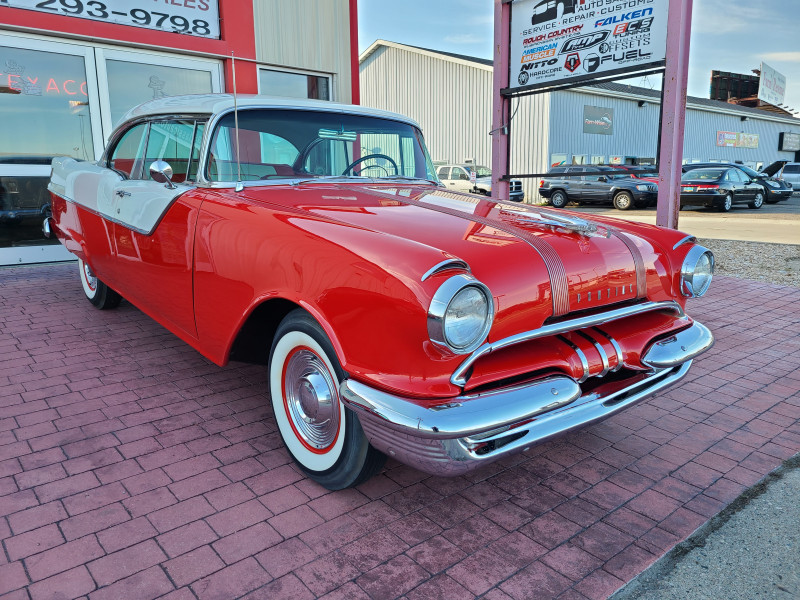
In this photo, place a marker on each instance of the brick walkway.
(132, 468)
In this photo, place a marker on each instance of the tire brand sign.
(559, 41)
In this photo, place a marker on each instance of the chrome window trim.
(450, 263)
(459, 379)
(438, 309)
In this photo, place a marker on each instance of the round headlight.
(460, 314)
(696, 272)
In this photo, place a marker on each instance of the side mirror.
(464, 176)
(161, 172)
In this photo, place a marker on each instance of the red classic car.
(396, 318)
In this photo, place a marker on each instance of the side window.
(459, 173)
(444, 172)
(730, 175)
(129, 151)
(170, 141)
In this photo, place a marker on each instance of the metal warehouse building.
(450, 95)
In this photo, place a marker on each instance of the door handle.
(122, 193)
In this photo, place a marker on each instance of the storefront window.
(45, 105)
(293, 85)
(130, 84)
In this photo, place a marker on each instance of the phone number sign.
(555, 42)
(192, 17)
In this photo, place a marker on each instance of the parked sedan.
(581, 183)
(394, 317)
(775, 188)
(720, 188)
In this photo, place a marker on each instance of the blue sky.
(727, 35)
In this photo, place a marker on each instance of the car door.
(460, 179)
(744, 190)
(154, 226)
(593, 187)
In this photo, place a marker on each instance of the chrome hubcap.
(91, 280)
(311, 399)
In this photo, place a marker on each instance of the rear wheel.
(558, 199)
(623, 201)
(726, 203)
(323, 437)
(758, 201)
(97, 292)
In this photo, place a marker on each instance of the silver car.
(791, 174)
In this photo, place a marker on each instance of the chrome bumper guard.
(473, 430)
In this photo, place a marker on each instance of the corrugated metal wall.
(308, 35)
(452, 102)
(635, 131)
(702, 142)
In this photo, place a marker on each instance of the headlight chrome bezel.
(688, 269)
(437, 312)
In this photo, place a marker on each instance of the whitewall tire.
(323, 436)
(97, 292)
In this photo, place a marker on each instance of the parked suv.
(458, 178)
(791, 174)
(622, 191)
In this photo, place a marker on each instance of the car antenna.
(239, 185)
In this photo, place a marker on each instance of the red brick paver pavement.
(130, 467)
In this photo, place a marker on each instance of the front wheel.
(323, 437)
(97, 292)
(758, 201)
(623, 201)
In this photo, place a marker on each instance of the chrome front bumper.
(473, 430)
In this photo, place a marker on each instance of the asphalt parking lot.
(131, 467)
(775, 223)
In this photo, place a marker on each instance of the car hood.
(487, 181)
(774, 168)
(550, 262)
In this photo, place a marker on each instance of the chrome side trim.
(581, 356)
(464, 415)
(686, 240)
(617, 349)
(459, 375)
(46, 231)
(450, 263)
(679, 347)
(599, 348)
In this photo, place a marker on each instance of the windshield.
(750, 172)
(480, 171)
(703, 174)
(292, 144)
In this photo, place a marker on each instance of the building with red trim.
(69, 69)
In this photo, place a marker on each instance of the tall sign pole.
(673, 112)
(500, 103)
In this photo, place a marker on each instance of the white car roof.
(214, 103)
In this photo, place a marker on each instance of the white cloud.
(465, 38)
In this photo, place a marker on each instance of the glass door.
(49, 107)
